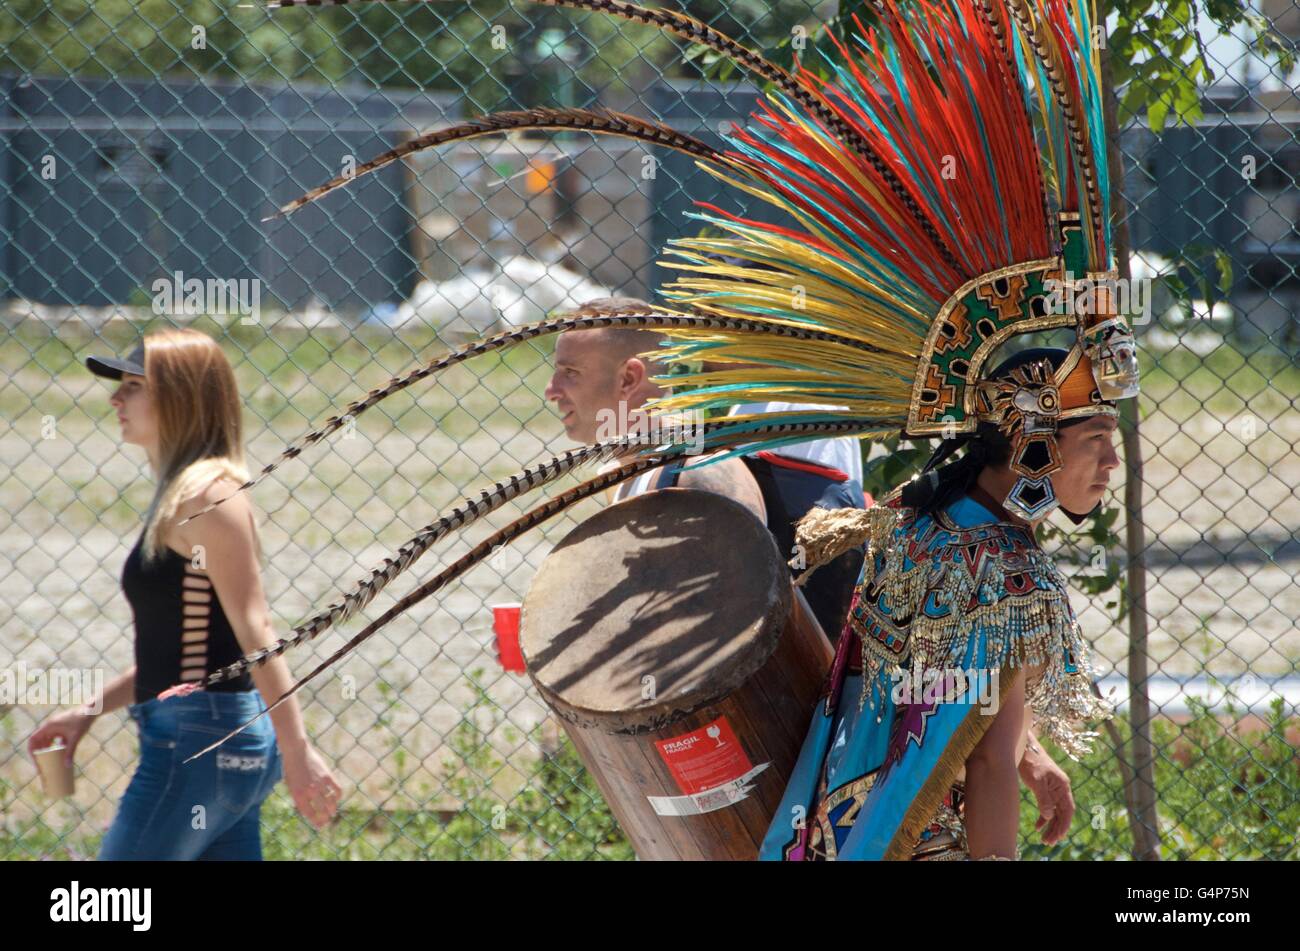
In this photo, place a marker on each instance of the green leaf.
(1223, 264)
(1157, 112)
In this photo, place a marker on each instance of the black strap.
(779, 522)
(830, 590)
(669, 473)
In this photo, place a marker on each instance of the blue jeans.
(207, 809)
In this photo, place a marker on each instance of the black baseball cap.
(114, 367)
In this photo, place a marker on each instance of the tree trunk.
(1140, 784)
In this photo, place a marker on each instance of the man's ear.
(631, 375)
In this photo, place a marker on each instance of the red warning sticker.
(705, 758)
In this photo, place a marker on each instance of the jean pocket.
(242, 764)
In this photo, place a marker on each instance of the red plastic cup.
(505, 621)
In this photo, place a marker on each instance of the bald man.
(599, 387)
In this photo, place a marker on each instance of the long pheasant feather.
(801, 88)
(717, 434)
(723, 434)
(606, 122)
(584, 318)
(547, 510)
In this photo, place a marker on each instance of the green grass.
(288, 376)
(1220, 796)
(1224, 382)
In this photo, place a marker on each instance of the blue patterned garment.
(944, 611)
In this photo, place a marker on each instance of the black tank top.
(181, 632)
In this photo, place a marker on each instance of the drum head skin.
(653, 608)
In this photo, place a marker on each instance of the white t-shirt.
(637, 485)
(840, 452)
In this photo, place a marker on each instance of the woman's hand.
(313, 787)
(69, 724)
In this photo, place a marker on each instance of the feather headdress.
(942, 185)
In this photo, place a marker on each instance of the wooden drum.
(666, 634)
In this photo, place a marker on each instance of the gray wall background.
(159, 176)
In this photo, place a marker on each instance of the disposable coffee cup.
(56, 773)
(505, 621)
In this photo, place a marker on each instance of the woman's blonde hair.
(200, 431)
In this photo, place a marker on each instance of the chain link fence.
(143, 142)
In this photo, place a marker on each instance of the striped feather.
(547, 510)
(584, 318)
(1059, 34)
(800, 88)
(605, 122)
(716, 435)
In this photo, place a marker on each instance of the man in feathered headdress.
(959, 638)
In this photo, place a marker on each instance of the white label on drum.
(710, 800)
